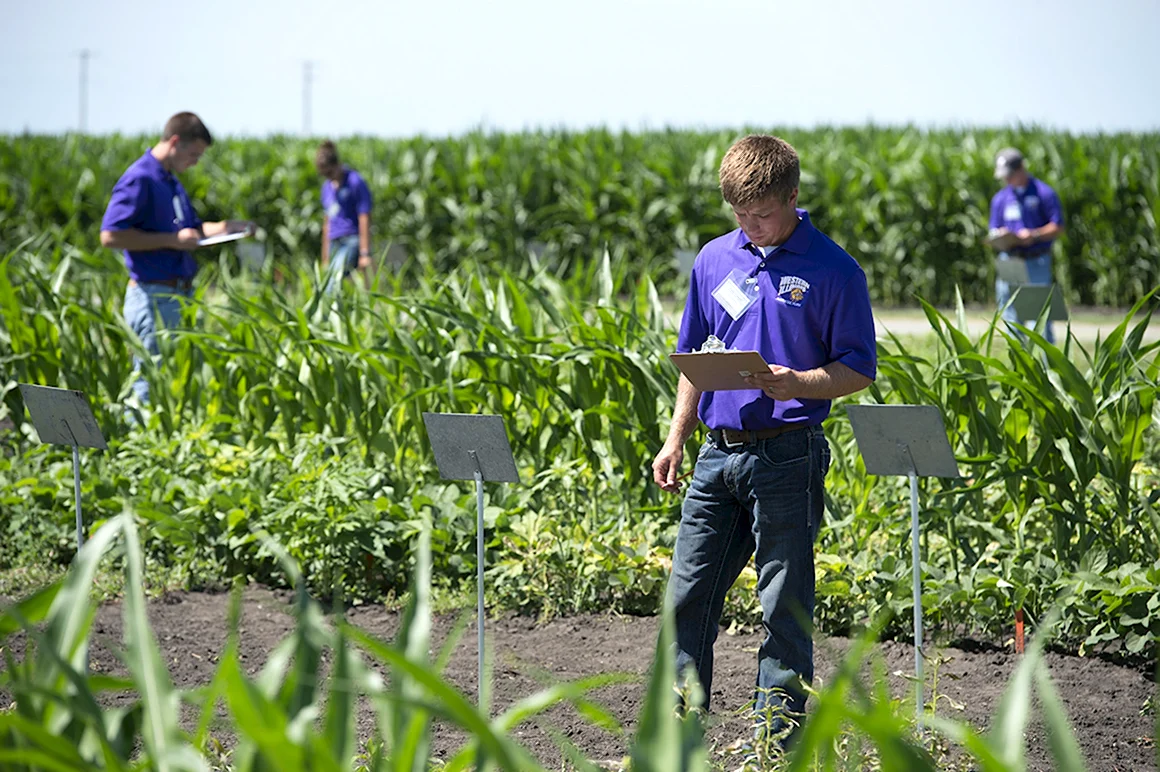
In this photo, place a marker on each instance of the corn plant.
(910, 204)
(1054, 438)
(280, 408)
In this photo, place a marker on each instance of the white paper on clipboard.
(222, 238)
(1001, 239)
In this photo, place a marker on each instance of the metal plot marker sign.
(473, 447)
(685, 259)
(1029, 301)
(911, 441)
(63, 417)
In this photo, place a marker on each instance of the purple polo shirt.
(813, 308)
(344, 204)
(148, 198)
(1033, 207)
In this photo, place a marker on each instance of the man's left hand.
(1026, 237)
(780, 383)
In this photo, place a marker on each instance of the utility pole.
(83, 117)
(307, 85)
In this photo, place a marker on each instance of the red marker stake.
(1019, 630)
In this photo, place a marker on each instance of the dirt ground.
(1103, 700)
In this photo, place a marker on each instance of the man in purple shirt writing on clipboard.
(1030, 211)
(778, 286)
(151, 220)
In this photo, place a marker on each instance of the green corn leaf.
(161, 735)
(1064, 747)
(29, 611)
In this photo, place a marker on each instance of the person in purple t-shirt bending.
(346, 224)
(151, 219)
(1030, 210)
(778, 286)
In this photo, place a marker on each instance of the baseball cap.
(1008, 160)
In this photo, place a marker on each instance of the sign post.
(908, 440)
(63, 417)
(473, 447)
(1029, 301)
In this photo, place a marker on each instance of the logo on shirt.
(792, 290)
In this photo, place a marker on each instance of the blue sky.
(439, 67)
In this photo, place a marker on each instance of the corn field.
(282, 411)
(912, 206)
(285, 445)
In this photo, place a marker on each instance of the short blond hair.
(759, 167)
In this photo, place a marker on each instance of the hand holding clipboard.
(1001, 239)
(720, 370)
(223, 238)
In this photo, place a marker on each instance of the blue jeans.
(343, 260)
(1038, 272)
(763, 500)
(147, 307)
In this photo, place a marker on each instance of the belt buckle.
(732, 445)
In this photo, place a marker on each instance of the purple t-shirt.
(1033, 207)
(813, 308)
(148, 198)
(344, 205)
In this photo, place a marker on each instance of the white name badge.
(736, 293)
(178, 211)
(333, 210)
(1012, 212)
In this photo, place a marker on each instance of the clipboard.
(1001, 239)
(720, 370)
(222, 238)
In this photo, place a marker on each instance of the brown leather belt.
(175, 283)
(732, 438)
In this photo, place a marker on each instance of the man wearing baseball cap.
(1029, 209)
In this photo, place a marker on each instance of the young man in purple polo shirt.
(346, 224)
(1030, 209)
(778, 286)
(151, 219)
